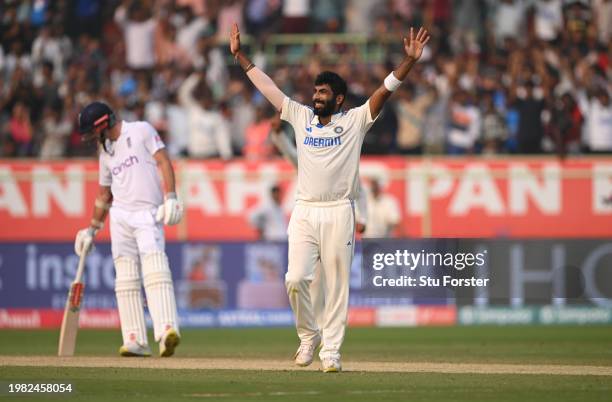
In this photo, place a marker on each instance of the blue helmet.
(94, 115)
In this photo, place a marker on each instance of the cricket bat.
(70, 322)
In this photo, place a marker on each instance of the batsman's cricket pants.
(321, 236)
(137, 243)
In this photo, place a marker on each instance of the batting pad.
(129, 301)
(160, 292)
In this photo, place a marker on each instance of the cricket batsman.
(322, 225)
(131, 192)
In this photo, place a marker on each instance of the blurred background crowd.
(512, 76)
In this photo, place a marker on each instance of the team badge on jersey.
(338, 129)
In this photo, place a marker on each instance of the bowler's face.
(323, 100)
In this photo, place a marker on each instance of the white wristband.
(392, 83)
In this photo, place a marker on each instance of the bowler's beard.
(327, 110)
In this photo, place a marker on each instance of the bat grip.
(80, 268)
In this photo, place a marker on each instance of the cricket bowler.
(131, 193)
(289, 152)
(322, 225)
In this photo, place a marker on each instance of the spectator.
(468, 24)
(360, 15)
(508, 19)
(140, 64)
(411, 109)
(139, 35)
(229, 13)
(209, 135)
(578, 17)
(494, 129)
(435, 123)
(56, 128)
(210, 59)
(597, 112)
(51, 46)
(257, 145)
(464, 125)
(189, 27)
(269, 219)
(88, 16)
(327, 15)
(167, 50)
(198, 7)
(548, 19)
(242, 111)
(530, 127)
(296, 16)
(17, 59)
(383, 213)
(20, 129)
(178, 126)
(602, 9)
(382, 138)
(261, 15)
(8, 148)
(564, 125)
(46, 87)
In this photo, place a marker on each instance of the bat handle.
(80, 268)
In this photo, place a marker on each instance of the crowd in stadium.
(510, 76)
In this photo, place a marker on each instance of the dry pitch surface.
(284, 365)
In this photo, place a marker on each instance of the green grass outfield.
(520, 346)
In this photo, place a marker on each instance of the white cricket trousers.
(135, 233)
(137, 243)
(321, 236)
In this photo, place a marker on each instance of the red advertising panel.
(440, 197)
(512, 198)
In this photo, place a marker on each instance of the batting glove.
(171, 211)
(83, 243)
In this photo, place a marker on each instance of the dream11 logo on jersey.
(321, 142)
(130, 161)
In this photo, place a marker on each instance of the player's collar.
(334, 118)
(123, 127)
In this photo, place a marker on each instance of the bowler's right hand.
(83, 243)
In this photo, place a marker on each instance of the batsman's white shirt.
(130, 170)
(328, 156)
(322, 226)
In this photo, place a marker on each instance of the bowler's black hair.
(335, 82)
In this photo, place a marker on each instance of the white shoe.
(331, 365)
(135, 349)
(304, 355)
(169, 341)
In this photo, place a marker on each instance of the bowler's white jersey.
(130, 169)
(328, 156)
